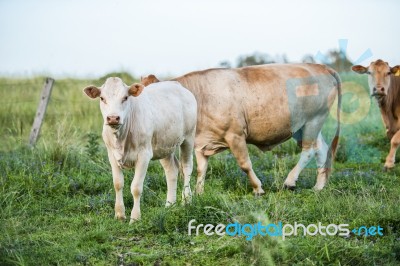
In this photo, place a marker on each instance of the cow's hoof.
(258, 192)
(388, 167)
(289, 187)
(389, 163)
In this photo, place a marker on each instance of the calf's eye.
(125, 98)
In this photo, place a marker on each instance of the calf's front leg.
(137, 183)
(118, 180)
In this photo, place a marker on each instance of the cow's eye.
(389, 73)
(369, 73)
(102, 99)
(125, 98)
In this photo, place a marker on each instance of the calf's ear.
(152, 78)
(135, 89)
(92, 91)
(395, 70)
(359, 69)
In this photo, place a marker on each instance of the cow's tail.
(335, 142)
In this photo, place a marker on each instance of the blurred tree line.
(336, 59)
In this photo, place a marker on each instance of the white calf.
(148, 126)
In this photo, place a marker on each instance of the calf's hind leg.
(170, 165)
(186, 161)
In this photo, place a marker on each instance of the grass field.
(57, 199)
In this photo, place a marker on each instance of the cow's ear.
(135, 89)
(149, 80)
(359, 69)
(395, 69)
(92, 91)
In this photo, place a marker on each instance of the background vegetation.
(57, 199)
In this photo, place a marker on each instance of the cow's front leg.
(118, 180)
(137, 183)
(238, 146)
(394, 144)
(390, 133)
(202, 163)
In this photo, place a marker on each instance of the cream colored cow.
(265, 106)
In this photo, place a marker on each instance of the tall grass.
(57, 199)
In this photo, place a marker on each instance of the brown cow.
(385, 87)
(264, 105)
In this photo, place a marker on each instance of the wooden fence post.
(41, 110)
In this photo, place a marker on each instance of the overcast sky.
(93, 37)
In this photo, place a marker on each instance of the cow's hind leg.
(170, 165)
(202, 163)
(321, 155)
(186, 160)
(311, 138)
(238, 146)
(394, 144)
(306, 155)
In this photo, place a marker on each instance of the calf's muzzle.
(113, 120)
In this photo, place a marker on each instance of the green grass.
(57, 199)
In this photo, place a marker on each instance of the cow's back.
(267, 103)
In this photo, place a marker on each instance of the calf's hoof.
(120, 217)
(199, 190)
(169, 204)
(132, 221)
(186, 199)
(318, 188)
